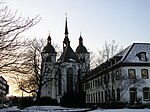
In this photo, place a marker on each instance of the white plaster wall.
(138, 73)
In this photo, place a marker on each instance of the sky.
(125, 21)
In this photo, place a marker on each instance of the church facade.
(67, 71)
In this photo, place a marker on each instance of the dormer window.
(142, 56)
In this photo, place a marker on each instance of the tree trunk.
(38, 95)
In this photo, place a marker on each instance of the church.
(67, 71)
(122, 78)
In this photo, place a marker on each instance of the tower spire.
(66, 27)
(80, 40)
(66, 41)
(49, 39)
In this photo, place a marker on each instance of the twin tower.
(64, 75)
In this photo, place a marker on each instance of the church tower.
(49, 53)
(48, 65)
(84, 57)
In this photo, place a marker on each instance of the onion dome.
(81, 48)
(49, 48)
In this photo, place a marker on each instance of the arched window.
(113, 94)
(59, 82)
(69, 80)
(118, 94)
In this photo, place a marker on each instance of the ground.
(61, 109)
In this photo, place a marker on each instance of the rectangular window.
(102, 96)
(117, 75)
(96, 97)
(98, 83)
(146, 93)
(99, 96)
(133, 94)
(108, 77)
(106, 97)
(112, 77)
(105, 79)
(131, 73)
(101, 80)
(93, 97)
(144, 73)
(109, 97)
(91, 84)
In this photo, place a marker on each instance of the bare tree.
(108, 51)
(30, 75)
(93, 61)
(11, 26)
(123, 82)
(118, 81)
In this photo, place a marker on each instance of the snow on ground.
(10, 109)
(50, 108)
(121, 110)
(62, 109)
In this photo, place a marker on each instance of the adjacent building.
(4, 89)
(125, 77)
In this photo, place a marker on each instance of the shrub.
(26, 102)
(48, 101)
(73, 100)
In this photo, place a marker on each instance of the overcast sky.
(125, 21)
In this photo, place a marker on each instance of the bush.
(73, 100)
(26, 102)
(48, 101)
(112, 105)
